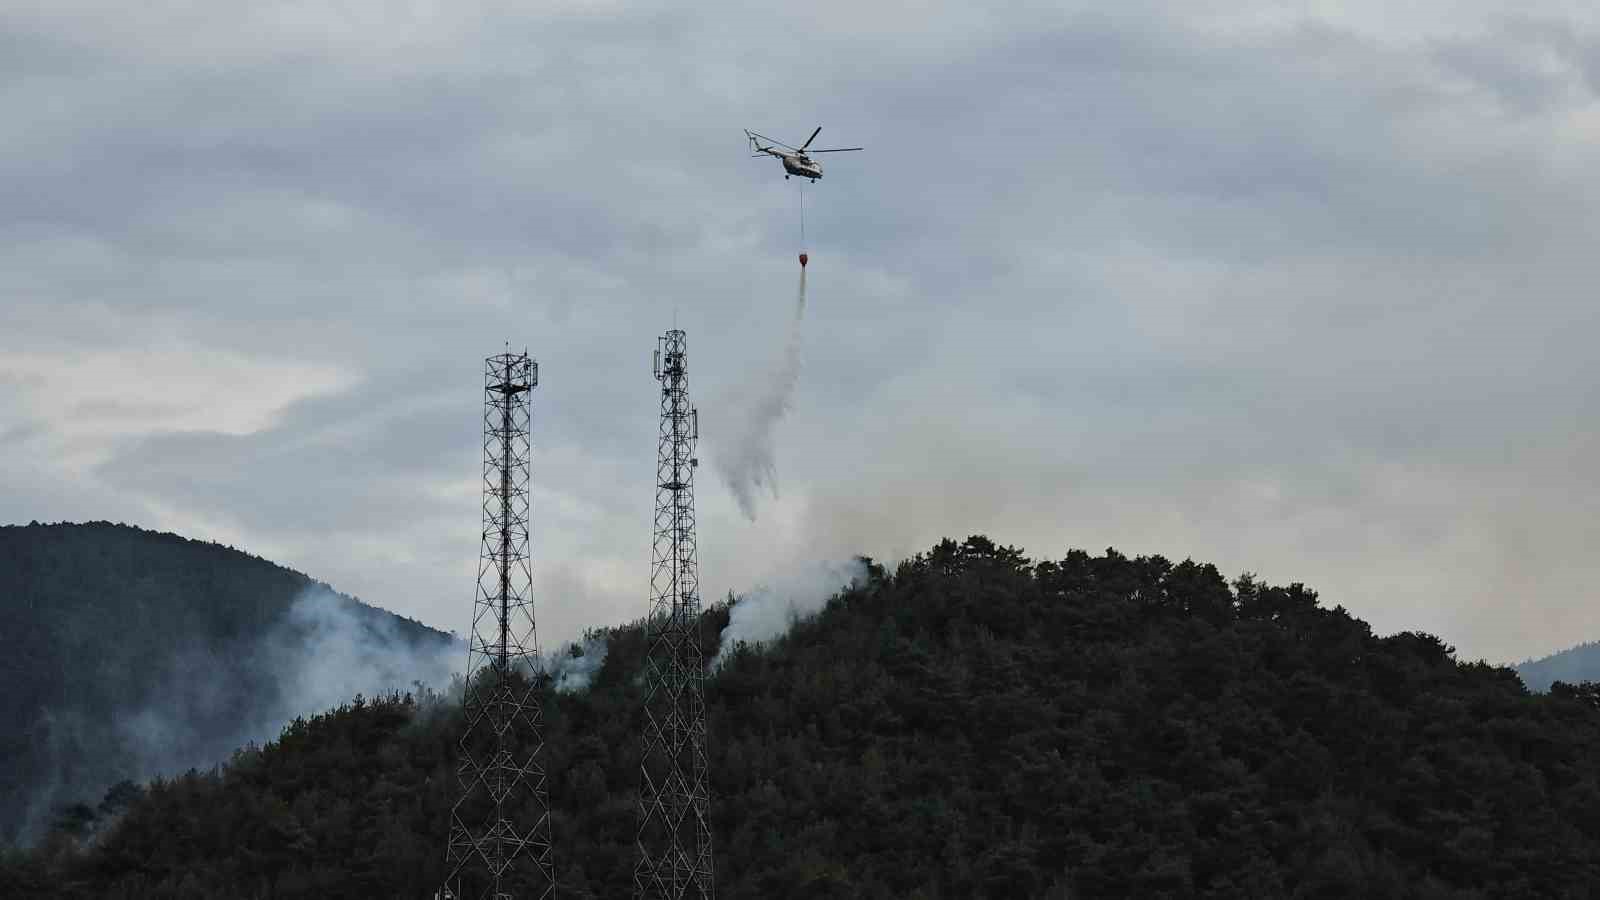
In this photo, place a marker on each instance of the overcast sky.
(1300, 289)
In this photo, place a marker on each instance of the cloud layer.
(1305, 293)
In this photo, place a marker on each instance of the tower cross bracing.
(499, 845)
(674, 833)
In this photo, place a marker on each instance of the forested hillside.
(1575, 664)
(968, 725)
(125, 653)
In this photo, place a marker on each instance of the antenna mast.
(674, 835)
(500, 844)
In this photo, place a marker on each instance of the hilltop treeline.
(971, 724)
(1572, 665)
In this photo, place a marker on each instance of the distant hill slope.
(126, 653)
(1573, 665)
(968, 725)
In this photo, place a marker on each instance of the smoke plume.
(573, 667)
(327, 652)
(212, 699)
(769, 610)
(747, 462)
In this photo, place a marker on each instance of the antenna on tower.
(499, 846)
(674, 836)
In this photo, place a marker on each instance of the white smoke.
(328, 650)
(769, 610)
(325, 650)
(573, 667)
(747, 461)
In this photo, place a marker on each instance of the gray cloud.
(1306, 295)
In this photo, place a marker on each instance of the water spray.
(748, 460)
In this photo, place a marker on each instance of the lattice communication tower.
(500, 843)
(674, 835)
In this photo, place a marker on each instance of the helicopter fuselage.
(802, 166)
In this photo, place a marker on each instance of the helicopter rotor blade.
(812, 138)
(837, 150)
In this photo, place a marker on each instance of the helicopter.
(796, 161)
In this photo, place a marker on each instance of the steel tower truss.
(674, 835)
(500, 842)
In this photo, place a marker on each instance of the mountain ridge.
(1575, 664)
(970, 724)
